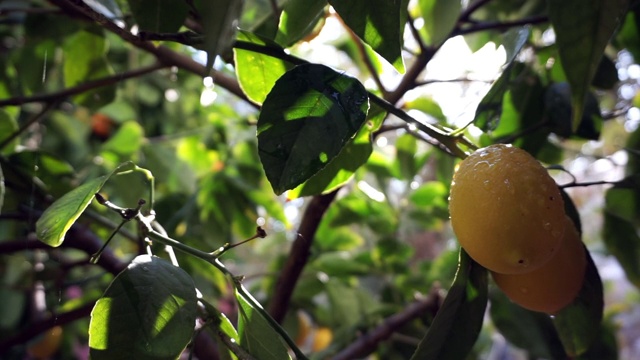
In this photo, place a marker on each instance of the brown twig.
(163, 54)
(367, 343)
(299, 255)
(502, 25)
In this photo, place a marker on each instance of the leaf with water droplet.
(148, 312)
(310, 115)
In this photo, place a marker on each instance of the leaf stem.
(213, 259)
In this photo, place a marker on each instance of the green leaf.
(440, 17)
(458, 322)
(379, 23)
(349, 305)
(427, 105)
(606, 75)
(309, 116)
(257, 73)
(8, 127)
(340, 170)
(529, 330)
(583, 30)
(148, 312)
(489, 110)
(430, 194)
(340, 263)
(619, 232)
(58, 218)
(166, 16)
(571, 210)
(127, 140)
(605, 346)
(81, 51)
(406, 149)
(219, 26)
(256, 335)
(297, 19)
(85, 60)
(557, 105)
(579, 323)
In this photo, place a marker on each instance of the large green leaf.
(340, 170)
(440, 17)
(579, 323)
(256, 335)
(379, 23)
(489, 110)
(309, 116)
(529, 330)
(257, 73)
(165, 16)
(148, 312)
(58, 218)
(457, 324)
(298, 18)
(583, 30)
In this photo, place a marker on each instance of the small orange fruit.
(506, 211)
(47, 345)
(321, 339)
(554, 285)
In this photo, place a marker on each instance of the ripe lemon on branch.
(506, 211)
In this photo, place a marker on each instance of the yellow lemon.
(554, 285)
(506, 211)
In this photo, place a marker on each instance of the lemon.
(506, 211)
(554, 285)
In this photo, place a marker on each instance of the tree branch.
(90, 85)
(163, 54)
(299, 255)
(503, 25)
(367, 343)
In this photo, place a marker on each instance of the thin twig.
(276, 11)
(416, 35)
(473, 7)
(36, 118)
(500, 25)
